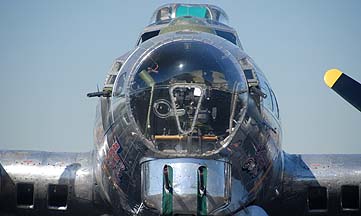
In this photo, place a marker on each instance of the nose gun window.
(109, 81)
(186, 97)
(119, 91)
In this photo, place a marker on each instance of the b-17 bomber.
(186, 124)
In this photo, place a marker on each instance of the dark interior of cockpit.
(212, 120)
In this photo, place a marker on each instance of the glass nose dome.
(187, 62)
(187, 96)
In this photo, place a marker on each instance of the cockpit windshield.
(187, 96)
(204, 11)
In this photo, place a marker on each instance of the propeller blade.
(345, 86)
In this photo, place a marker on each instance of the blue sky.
(53, 52)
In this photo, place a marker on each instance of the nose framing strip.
(202, 191)
(167, 198)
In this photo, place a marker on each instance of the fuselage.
(191, 124)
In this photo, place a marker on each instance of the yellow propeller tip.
(331, 76)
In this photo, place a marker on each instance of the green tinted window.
(191, 11)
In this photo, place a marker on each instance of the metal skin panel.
(75, 170)
(303, 172)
